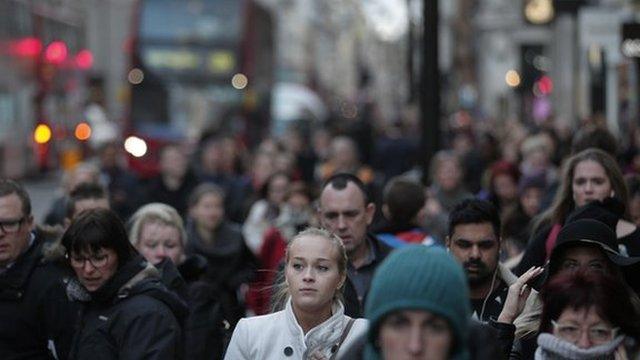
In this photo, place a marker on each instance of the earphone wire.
(484, 303)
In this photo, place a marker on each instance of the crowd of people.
(523, 245)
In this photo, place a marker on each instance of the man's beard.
(480, 277)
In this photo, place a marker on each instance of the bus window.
(197, 21)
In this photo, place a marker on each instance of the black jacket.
(132, 316)
(353, 307)
(229, 264)
(157, 191)
(34, 311)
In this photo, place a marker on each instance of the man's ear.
(30, 223)
(370, 210)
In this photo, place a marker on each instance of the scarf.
(554, 348)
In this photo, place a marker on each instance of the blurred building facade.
(575, 52)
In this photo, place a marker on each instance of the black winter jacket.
(36, 318)
(132, 316)
(230, 264)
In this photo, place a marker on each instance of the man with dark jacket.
(474, 240)
(175, 181)
(345, 209)
(35, 315)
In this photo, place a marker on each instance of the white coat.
(279, 336)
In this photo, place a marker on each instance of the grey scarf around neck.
(553, 348)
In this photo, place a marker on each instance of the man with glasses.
(35, 317)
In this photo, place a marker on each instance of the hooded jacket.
(132, 316)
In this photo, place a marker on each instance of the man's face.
(345, 213)
(14, 232)
(476, 247)
(173, 163)
(415, 334)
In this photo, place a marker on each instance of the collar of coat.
(14, 279)
(119, 286)
(552, 347)
(322, 337)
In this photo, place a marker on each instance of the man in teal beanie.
(418, 306)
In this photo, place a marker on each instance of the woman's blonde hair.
(281, 293)
(563, 202)
(155, 213)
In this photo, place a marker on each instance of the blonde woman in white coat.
(312, 325)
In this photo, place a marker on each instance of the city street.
(42, 190)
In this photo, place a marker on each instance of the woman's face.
(505, 187)
(583, 327)
(312, 273)
(590, 182)
(530, 200)
(278, 189)
(208, 212)
(94, 269)
(159, 241)
(448, 175)
(415, 334)
(584, 258)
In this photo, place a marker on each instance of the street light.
(539, 12)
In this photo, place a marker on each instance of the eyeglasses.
(597, 334)
(11, 226)
(97, 261)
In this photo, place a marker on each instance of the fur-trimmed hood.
(135, 277)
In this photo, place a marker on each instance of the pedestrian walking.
(313, 324)
(127, 313)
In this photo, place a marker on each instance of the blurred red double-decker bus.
(197, 66)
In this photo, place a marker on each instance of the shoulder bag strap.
(345, 332)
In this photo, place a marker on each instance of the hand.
(517, 296)
(621, 353)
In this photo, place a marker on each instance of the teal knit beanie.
(417, 277)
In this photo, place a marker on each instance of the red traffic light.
(56, 52)
(84, 59)
(26, 47)
(545, 85)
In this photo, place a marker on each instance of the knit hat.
(417, 277)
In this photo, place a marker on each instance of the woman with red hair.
(587, 315)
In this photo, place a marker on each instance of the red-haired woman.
(587, 315)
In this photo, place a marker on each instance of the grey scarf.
(553, 348)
